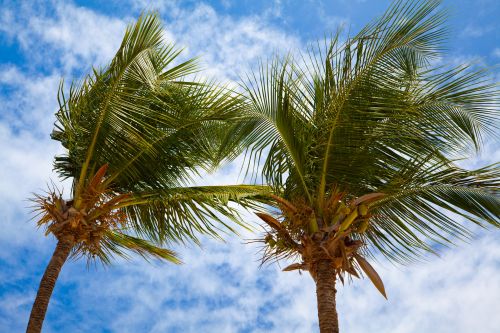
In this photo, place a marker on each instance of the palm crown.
(140, 130)
(361, 139)
(136, 131)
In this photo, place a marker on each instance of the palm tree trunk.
(325, 294)
(47, 284)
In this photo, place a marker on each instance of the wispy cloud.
(62, 35)
(474, 30)
(228, 46)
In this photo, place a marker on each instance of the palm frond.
(431, 207)
(118, 243)
(120, 112)
(276, 124)
(180, 214)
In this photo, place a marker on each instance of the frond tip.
(118, 239)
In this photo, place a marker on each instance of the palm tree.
(135, 133)
(360, 141)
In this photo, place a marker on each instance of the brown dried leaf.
(271, 221)
(351, 270)
(285, 203)
(341, 277)
(326, 251)
(98, 177)
(293, 267)
(332, 244)
(372, 274)
(367, 198)
(353, 246)
(337, 262)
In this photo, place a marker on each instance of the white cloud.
(62, 34)
(26, 150)
(221, 289)
(82, 36)
(454, 293)
(228, 47)
(32, 100)
(473, 30)
(26, 164)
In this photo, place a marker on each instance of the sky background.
(221, 287)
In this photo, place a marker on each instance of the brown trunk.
(47, 284)
(325, 294)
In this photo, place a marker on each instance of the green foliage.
(153, 128)
(116, 242)
(373, 113)
(182, 213)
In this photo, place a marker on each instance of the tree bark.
(325, 294)
(47, 284)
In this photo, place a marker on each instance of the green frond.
(141, 117)
(273, 121)
(119, 242)
(428, 204)
(120, 111)
(180, 214)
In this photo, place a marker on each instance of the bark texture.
(325, 294)
(47, 284)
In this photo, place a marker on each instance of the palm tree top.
(373, 114)
(135, 131)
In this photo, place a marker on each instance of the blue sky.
(221, 287)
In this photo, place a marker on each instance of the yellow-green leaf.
(348, 220)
